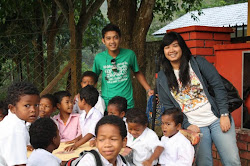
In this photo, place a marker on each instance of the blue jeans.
(224, 142)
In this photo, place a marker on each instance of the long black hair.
(184, 65)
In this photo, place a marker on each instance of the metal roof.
(215, 17)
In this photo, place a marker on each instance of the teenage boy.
(115, 64)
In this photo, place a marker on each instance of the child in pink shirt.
(67, 122)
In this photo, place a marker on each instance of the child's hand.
(147, 163)
(92, 143)
(30, 148)
(70, 148)
(70, 142)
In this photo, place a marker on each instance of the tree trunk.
(134, 24)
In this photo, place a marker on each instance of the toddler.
(68, 123)
(177, 148)
(47, 105)
(144, 141)
(111, 135)
(89, 117)
(44, 137)
(3, 110)
(89, 78)
(23, 101)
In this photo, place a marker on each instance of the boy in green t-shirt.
(115, 64)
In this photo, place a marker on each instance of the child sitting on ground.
(3, 110)
(89, 78)
(89, 117)
(68, 123)
(47, 105)
(111, 135)
(177, 148)
(44, 137)
(23, 101)
(144, 141)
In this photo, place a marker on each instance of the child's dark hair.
(135, 115)
(4, 108)
(176, 114)
(111, 27)
(90, 74)
(51, 99)
(18, 89)
(60, 95)
(112, 120)
(90, 94)
(42, 132)
(119, 102)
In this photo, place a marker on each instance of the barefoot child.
(111, 135)
(44, 137)
(68, 123)
(144, 141)
(177, 148)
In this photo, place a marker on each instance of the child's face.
(136, 129)
(87, 80)
(168, 126)
(66, 105)
(111, 40)
(45, 108)
(113, 110)
(1, 115)
(109, 142)
(26, 108)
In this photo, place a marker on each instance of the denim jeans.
(224, 142)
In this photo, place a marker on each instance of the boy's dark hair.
(110, 27)
(60, 95)
(176, 114)
(90, 94)
(42, 132)
(135, 115)
(112, 120)
(120, 102)
(4, 108)
(51, 99)
(90, 74)
(18, 89)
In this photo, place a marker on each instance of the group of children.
(119, 129)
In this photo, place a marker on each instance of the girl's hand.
(194, 128)
(147, 163)
(225, 124)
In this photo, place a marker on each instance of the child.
(68, 123)
(117, 106)
(177, 148)
(144, 141)
(115, 64)
(89, 117)
(47, 105)
(44, 137)
(23, 101)
(89, 78)
(111, 135)
(3, 110)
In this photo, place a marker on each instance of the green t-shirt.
(116, 82)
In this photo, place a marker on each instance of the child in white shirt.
(23, 100)
(89, 78)
(89, 117)
(44, 137)
(144, 141)
(177, 148)
(111, 135)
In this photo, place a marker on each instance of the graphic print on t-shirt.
(191, 97)
(116, 76)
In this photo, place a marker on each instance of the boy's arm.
(154, 156)
(141, 78)
(74, 140)
(82, 141)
